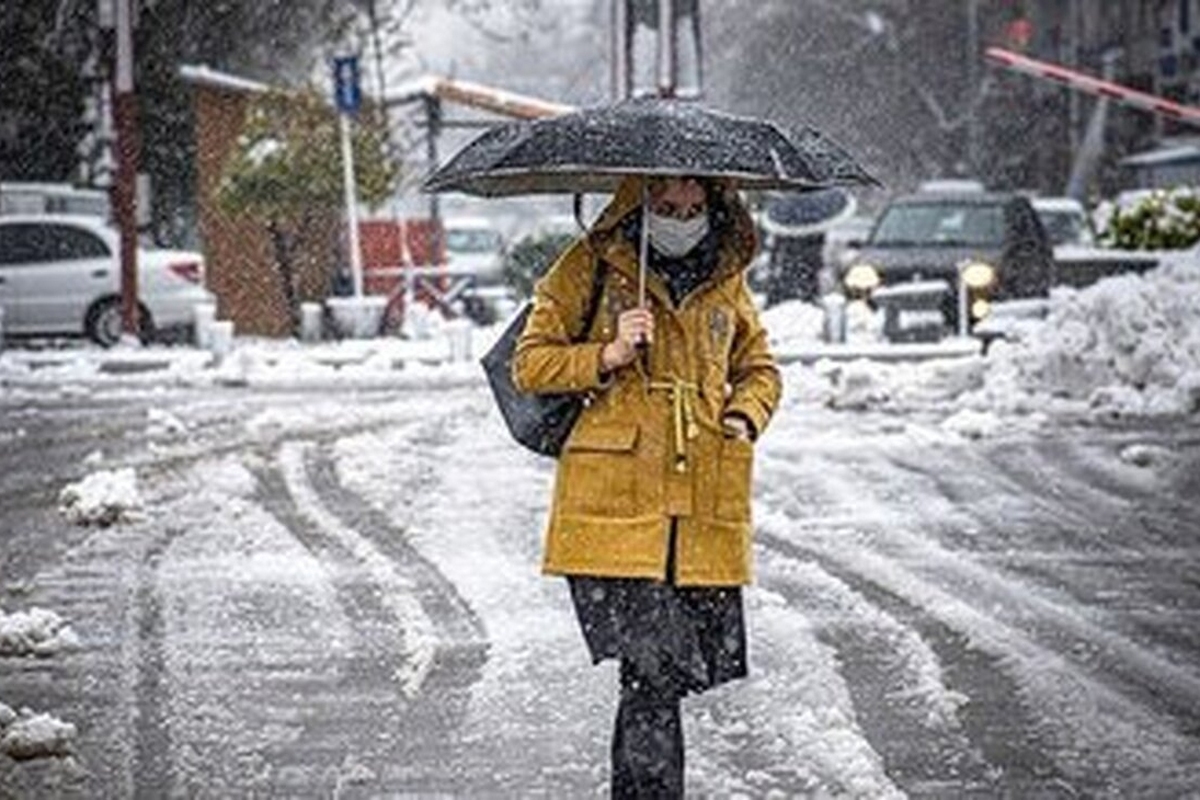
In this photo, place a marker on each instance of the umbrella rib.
(779, 170)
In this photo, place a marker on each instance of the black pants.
(647, 744)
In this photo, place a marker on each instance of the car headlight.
(862, 278)
(980, 309)
(978, 274)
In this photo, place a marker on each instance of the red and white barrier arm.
(1086, 83)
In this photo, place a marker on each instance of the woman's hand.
(633, 326)
(735, 426)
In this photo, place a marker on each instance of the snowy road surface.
(335, 594)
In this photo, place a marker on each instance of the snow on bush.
(102, 498)
(1152, 220)
(36, 632)
(27, 735)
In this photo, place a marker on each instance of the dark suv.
(936, 261)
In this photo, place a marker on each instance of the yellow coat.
(649, 446)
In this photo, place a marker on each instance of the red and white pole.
(124, 189)
(1083, 82)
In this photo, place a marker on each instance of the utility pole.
(972, 86)
(1072, 61)
(124, 190)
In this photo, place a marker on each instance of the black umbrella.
(807, 213)
(593, 149)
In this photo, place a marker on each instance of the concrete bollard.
(221, 338)
(310, 322)
(357, 317)
(458, 332)
(834, 331)
(203, 315)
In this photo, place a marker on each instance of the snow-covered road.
(335, 593)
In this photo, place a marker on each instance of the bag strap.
(598, 276)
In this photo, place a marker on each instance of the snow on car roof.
(86, 220)
(1056, 203)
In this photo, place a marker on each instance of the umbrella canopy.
(807, 213)
(592, 149)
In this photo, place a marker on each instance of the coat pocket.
(603, 438)
(734, 477)
(598, 471)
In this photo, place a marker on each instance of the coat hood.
(738, 245)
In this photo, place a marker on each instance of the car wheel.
(102, 323)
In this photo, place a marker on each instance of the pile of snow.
(796, 323)
(102, 498)
(28, 735)
(37, 632)
(164, 424)
(1127, 345)
(973, 424)
(792, 322)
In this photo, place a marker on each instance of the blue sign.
(347, 95)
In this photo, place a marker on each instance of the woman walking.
(650, 518)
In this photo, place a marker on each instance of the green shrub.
(1164, 219)
(529, 258)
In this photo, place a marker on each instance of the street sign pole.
(348, 98)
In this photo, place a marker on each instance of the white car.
(60, 274)
(1065, 220)
(475, 246)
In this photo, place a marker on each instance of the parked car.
(475, 246)
(1078, 260)
(1065, 219)
(27, 197)
(934, 258)
(60, 275)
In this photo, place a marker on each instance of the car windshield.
(941, 224)
(1064, 227)
(472, 241)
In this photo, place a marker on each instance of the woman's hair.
(714, 195)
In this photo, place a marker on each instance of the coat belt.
(684, 413)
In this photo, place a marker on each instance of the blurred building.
(239, 260)
(1156, 49)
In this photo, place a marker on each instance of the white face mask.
(676, 237)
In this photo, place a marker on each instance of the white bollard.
(835, 318)
(310, 322)
(458, 331)
(203, 315)
(221, 338)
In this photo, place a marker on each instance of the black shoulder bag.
(540, 422)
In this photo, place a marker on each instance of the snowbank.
(1128, 345)
(36, 632)
(102, 498)
(27, 735)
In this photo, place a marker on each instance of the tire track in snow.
(455, 624)
(480, 520)
(1076, 709)
(420, 648)
(931, 521)
(152, 756)
(982, 745)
